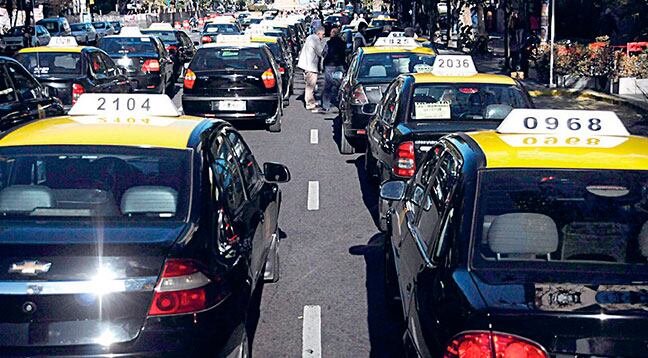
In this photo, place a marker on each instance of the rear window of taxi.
(128, 45)
(81, 182)
(48, 64)
(559, 219)
(230, 59)
(386, 66)
(464, 101)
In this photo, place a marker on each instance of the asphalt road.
(330, 255)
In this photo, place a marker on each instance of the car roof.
(77, 49)
(390, 49)
(161, 132)
(477, 78)
(226, 45)
(628, 153)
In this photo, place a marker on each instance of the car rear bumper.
(257, 108)
(149, 83)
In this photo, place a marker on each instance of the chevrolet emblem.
(30, 268)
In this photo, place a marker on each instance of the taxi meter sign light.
(399, 34)
(563, 123)
(63, 41)
(233, 39)
(396, 42)
(105, 104)
(454, 65)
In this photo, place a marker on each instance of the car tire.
(271, 271)
(345, 144)
(276, 126)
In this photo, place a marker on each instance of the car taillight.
(282, 70)
(358, 96)
(492, 345)
(189, 79)
(172, 48)
(151, 66)
(182, 288)
(405, 161)
(206, 39)
(268, 78)
(77, 91)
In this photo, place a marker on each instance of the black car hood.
(581, 317)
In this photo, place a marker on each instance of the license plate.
(425, 148)
(231, 105)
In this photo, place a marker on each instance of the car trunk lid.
(230, 83)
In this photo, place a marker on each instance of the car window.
(27, 87)
(128, 45)
(51, 26)
(227, 175)
(383, 66)
(97, 64)
(165, 36)
(390, 104)
(51, 64)
(7, 93)
(111, 66)
(249, 167)
(230, 58)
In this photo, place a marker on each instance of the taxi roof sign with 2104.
(124, 104)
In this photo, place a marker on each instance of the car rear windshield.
(275, 49)
(51, 64)
(99, 25)
(383, 67)
(114, 183)
(127, 45)
(379, 23)
(465, 101)
(77, 27)
(551, 219)
(230, 59)
(165, 36)
(231, 29)
(15, 31)
(51, 26)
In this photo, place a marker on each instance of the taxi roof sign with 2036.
(454, 65)
(95, 104)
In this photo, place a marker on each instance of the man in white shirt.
(309, 60)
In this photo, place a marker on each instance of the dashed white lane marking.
(313, 195)
(312, 332)
(314, 136)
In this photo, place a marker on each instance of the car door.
(425, 210)
(118, 83)
(99, 73)
(10, 106)
(382, 145)
(262, 205)
(33, 102)
(165, 60)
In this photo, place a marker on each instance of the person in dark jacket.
(334, 63)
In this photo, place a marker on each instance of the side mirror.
(276, 173)
(393, 190)
(369, 108)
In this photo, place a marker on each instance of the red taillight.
(172, 48)
(358, 96)
(182, 288)
(282, 70)
(77, 91)
(151, 66)
(492, 345)
(206, 39)
(268, 78)
(405, 160)
(189, 79)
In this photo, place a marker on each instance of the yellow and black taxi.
(129, 230)
(70, 70)
(177, 43)
(420, 108)
(235, 79)
(369, 74)
(22, 97)
(284, 61)
(382, 21)
(526, 241)
(148, 65)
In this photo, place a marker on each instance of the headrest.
(149, 199)
(523, 233)
(25, 198)
(377, 71)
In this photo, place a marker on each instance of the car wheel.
(271, 272)
(345, 144)
(276, 126)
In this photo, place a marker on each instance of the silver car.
(13, 39)
(84, 33)
(104, 28)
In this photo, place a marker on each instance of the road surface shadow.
(385, 325)
(369, 190)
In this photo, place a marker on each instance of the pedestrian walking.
(359, 39)
(334, 62)
(309, 60)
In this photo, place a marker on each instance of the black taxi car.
(284, 61)
(22, 97)
(369, 74)
(237, 80)
(131, 230)
(70, 70)
(149, 66)
(527, 241)
(177, 43)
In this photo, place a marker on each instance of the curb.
(589, 94)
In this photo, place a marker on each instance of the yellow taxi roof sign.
(396, 42)
(400, 34)
(130, 31)
(233, 39)
(573, 123)
(125, 104)
(63, 41)
(454, 65)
